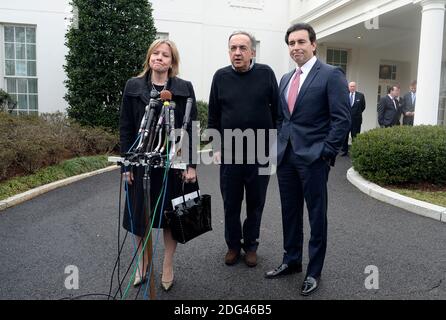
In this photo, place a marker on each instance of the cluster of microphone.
(158, 124)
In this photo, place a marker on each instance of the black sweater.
(247, 100)
(243, 100)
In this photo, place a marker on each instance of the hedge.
(401, 155)
(30, 143)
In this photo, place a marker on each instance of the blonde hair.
(174, 70)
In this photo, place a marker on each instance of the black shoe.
(309, 286)
(283, 269)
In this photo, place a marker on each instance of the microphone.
(171, 110)
(186, 120)
(149, 119)
(172, 115)
(154, 94)
(144, 120)
(165, 96)
(187, 113)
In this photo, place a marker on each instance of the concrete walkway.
(77, 225)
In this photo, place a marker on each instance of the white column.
(429, 62)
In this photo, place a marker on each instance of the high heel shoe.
(167, 285)
(138, 279)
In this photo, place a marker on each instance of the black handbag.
(190, 218)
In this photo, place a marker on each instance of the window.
(21, 67)
(338, 58)
(162, 35)
(257, 57)
(387, 72)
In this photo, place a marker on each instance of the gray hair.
(250, 36)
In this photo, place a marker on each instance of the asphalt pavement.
(77, 225)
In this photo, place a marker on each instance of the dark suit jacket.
(388, 115)
(321, 117)
(358, 106)
(408, 106)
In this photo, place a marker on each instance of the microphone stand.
(144, 155)
(149, 248)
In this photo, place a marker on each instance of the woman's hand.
(190, 175)
(128, 177)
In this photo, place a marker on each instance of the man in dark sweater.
(244, 96)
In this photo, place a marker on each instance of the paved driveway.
(77, 225)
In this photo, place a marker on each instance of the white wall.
(49, 18)
(201, 29)
(363, 68)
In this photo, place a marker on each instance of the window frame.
(340, 63)
(4, 77)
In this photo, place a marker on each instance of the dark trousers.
(299, 182)
(234, 180)
(354, 130)
(408, 121)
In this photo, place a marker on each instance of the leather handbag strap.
(182, 188)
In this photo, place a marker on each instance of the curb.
(30, 194)
(418, 207)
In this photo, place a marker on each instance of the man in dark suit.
(408, 107)
(357, 103)
(389, 111)
(313, 120)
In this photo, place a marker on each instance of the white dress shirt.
(352, 101)
(394, 102)
(305, 69)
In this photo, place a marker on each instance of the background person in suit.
(313, 120)
(408, 107)
(389, 112)
(357, 102)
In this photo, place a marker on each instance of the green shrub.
(401, 155)
(30, 143)
(202, 107)
(7, 102)
(106, 47)
(50, 174)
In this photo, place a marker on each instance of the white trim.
(28, 195)
(321, 10)
(248, 4)
(418, 207)
(336, 25)
(2, 58)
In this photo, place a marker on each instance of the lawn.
(435, 197)
(50, 174)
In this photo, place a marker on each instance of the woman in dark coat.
(160, 72)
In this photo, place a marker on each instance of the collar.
(141, 86)
(250, 67)
(306, 68)
(177, 86)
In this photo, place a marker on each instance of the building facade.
(378, 43)
(32, 53)
(383, 43)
